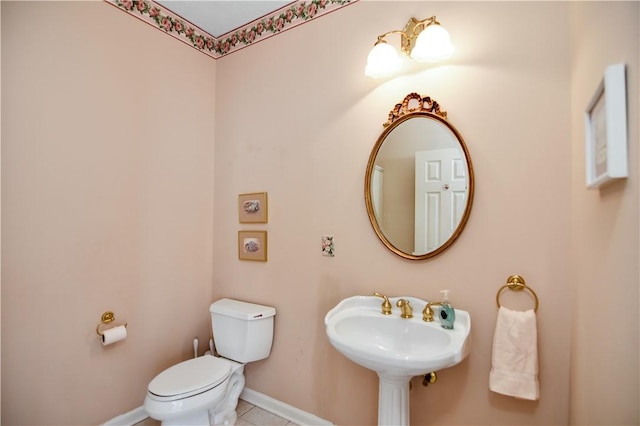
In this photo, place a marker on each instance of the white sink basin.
(389, 344)
(396, 348)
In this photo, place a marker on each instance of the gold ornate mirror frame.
(416, 106)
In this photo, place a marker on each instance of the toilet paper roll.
(114, 334)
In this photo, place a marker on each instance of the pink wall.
(107, 174)
(605, 229)
(305, 137)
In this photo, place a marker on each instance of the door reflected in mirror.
(419, 181)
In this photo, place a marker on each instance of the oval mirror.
(419, 181)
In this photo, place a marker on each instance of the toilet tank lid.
(241, 310)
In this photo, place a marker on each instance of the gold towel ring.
(516, 283)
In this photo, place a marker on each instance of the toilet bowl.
(205, 390)
(186, 393)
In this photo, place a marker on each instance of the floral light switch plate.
(327, 246)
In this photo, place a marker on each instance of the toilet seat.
(189, 378)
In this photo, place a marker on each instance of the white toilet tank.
(242, 331)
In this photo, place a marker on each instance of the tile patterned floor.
(248, 415)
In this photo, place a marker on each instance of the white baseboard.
(256, 398)
(128, 419)
(281, 409)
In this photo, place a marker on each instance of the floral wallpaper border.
(282, 19)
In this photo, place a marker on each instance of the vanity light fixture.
(423, 41)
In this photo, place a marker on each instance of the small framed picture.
(252, 208)
(252, 245)
(606, 129)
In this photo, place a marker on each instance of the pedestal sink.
(396, 348)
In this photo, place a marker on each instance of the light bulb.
(383, 60)
(433, 44)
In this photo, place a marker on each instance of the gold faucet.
(427, 313)
(386, 305)
(405, 308)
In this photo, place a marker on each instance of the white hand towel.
(514, 369)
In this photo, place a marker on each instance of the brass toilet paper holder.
(106, 319)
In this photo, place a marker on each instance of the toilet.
(205, 390)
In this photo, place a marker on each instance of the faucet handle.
(386, 305)
(427, 313)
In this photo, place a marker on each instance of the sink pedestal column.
(393, 400)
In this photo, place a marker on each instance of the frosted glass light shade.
(383, 60)
(433, 44)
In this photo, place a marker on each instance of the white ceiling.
(218, 17)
